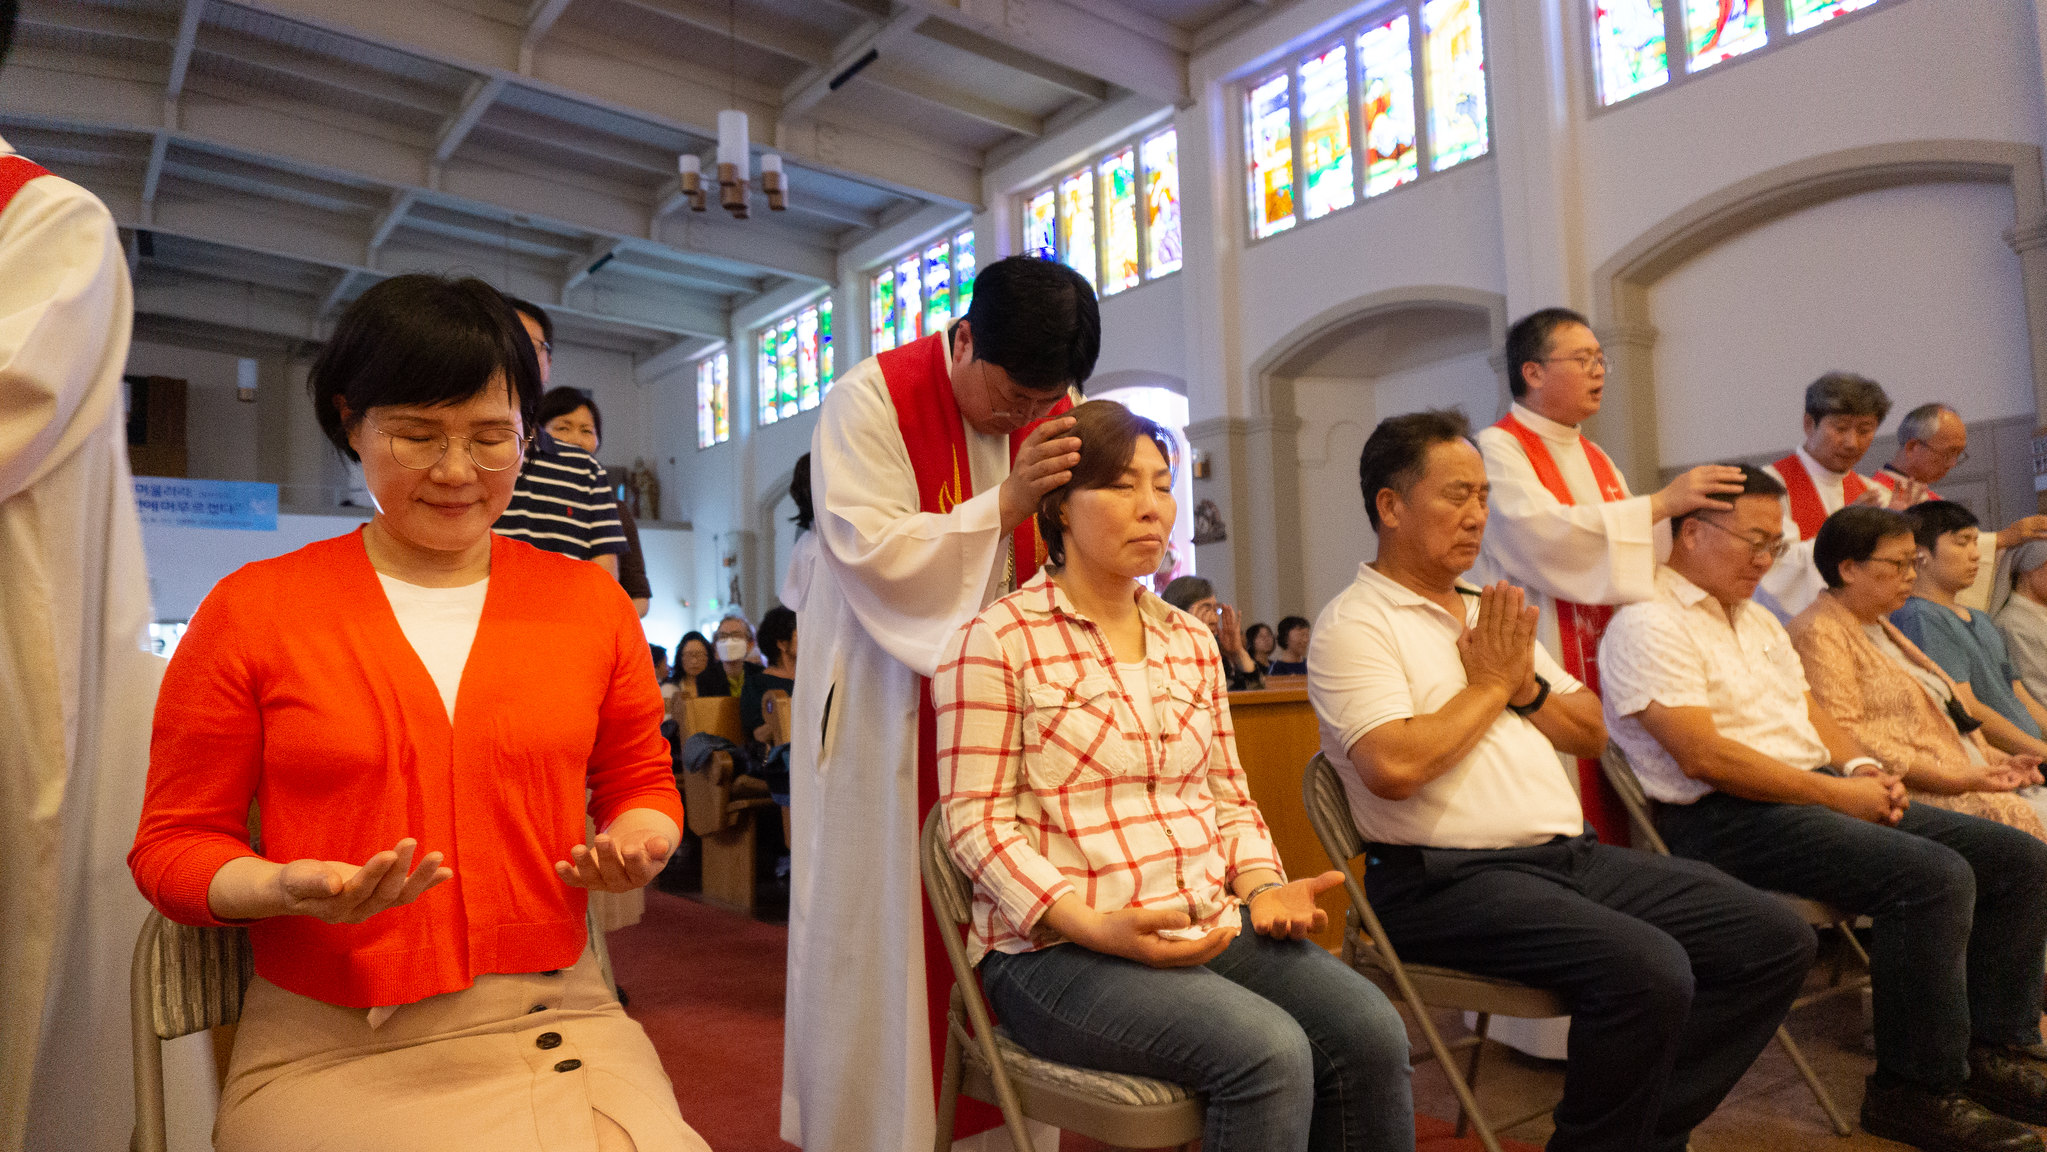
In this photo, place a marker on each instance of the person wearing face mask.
(424, 976)
(572, 418)
(1842, 413)
(927, 463)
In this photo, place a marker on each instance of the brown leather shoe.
(1940, 1121)
(2008, 1081)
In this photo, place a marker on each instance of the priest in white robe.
(1562, 523)
(76, 683)
(1842, 414)
(925, 474)
(1931, 440)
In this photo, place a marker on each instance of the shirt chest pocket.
(1188, 727)
(1071, 732)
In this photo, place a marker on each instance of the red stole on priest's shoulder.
(1807, 510)
(921, 388)
(1580, 626)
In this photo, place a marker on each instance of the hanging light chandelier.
(735, 152)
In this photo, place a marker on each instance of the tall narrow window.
(1077, 223)
(714, 401)
(1325, 132)
(795, 363)
(767, 374)
(882, 312)
(1717, 30)
(1269, 133)
(909, 301)
(1040, 226)
(1386, 85)
(962, 272)
(806, 359)
(937, 286)
(1803, 14)
(1632, 53)
(825, 370)
(1454, 41)
(786, 377)
(1161, 156)
(1119, 222)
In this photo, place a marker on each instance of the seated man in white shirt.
(1705, 693)
(1444, 718)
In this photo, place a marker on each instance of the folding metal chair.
(1420, 986)
(1619, 773)
(982, 1062)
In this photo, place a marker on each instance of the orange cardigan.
(295, 687)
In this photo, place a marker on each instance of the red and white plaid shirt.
(1052, 784)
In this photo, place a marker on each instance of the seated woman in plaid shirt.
(1130, 913)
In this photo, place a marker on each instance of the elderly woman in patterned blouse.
(1130, 913)
(1884, 690)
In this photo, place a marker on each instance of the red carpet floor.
(707, 987)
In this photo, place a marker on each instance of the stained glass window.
(1161, 157)
(806, 359)
(1717, 30)
(1077, 223)
(787, 379)
(937, 286)
(1119, 222)
(1805, 14)
(1386, 85)
(1325, 132)
(825, 371)
(963, 272)
(881, 313)
(1040, 232)
(766, 375)
(909, 302)
(1632, 54)
(1454, 42)
(714, 401)
(1269, 131)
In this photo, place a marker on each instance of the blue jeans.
(1959, 907)
(1289, 1048)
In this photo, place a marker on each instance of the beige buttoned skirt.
(539, 1062)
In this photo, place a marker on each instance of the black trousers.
(1959, 907)
(1677, 974)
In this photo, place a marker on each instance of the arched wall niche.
(1621, 313)
(1318, 392)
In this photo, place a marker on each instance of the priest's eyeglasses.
(491, 450)
(1774, 548)
(1587, 362)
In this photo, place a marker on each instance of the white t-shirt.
(1136, 678)
(1380, 652)
(440, 624)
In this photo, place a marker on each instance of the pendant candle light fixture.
(735, 153)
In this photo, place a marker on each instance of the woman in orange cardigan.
(1886, 693)
(418, 711)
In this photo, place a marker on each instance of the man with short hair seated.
(1444, 717)
(1706, 695)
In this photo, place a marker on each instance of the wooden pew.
(724, 821)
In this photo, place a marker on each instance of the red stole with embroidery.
(1807, 509)
(936, 438)
(1887, 478)
(1580, 626)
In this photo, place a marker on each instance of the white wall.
(1913, 286)
(221, 431)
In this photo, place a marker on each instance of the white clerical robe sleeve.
(63, 297)
(1793, 582)
(911, 577)
(1601, 553)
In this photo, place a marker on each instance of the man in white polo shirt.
(1706, 695)
(1444, 718)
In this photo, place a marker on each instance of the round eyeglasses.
(492, 450)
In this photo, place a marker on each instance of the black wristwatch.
(1535, 705)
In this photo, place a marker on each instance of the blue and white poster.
(176, 503)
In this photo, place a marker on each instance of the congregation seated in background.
(1260, 642)
(1884, 691)
(1091, 954)
(1291, 659)
(697, 671)
(1444, 717)
(1706, 695)
(1197, 596)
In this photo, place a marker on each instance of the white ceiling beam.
(803, 93)
(1069, 46)
(181, 53)
(953, 100)
(401, 203)
(481, 95)
(152, 174)
(748, 31)
(540, 18)
(334, 296)
(588, 264)
(676, 355)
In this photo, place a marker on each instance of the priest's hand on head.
(1711, 486)
(1043, 462)
(342, 893)
(619, 860)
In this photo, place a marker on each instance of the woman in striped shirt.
(1130, 913)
